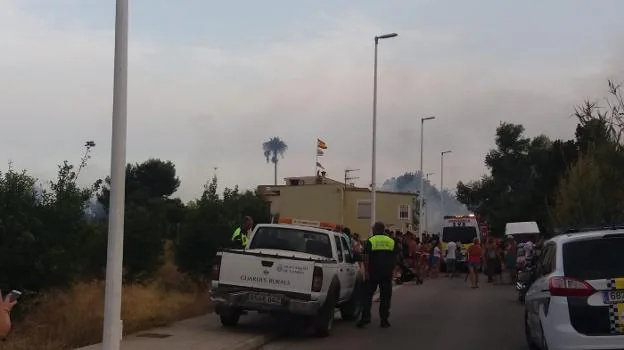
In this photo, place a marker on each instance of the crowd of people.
(496, 258)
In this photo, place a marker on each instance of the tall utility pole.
(347, 176)
(442, 181)
(426, 207)
(112, 332)
(373, 201)
(422, 176)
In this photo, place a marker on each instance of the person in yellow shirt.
(241, 234)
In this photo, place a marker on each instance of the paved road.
(439, 314)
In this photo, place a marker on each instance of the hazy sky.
(209, 81)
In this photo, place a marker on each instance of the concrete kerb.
(254, 343)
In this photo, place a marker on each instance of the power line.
(348, 178)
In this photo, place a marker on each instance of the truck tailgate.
(266, 272)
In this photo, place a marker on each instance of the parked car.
(577, 298)
(287, 269)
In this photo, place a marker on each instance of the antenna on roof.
(348, 178)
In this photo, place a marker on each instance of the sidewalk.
(200, 333)
(206, 332)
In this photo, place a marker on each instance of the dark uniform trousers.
(384, 282)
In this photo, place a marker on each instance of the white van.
(523, 232)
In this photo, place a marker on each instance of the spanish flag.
(321, 144)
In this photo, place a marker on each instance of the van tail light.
(569, 287)
(216, 268)
(317, 279)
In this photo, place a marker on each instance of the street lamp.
(422, 178)
(426, 206)
(374, 151)
(111, 337)
(442, 180)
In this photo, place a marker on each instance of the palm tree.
(272, 149)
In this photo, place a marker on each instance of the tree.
(44, 236)
(524, 173)
(151, 215)
(591, 193)
(210, 222)
(273, 149)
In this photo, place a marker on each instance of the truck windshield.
(461, 234)
(525, 237)
(291, 239)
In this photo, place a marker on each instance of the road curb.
(253, 343)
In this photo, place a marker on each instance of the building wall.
(387, 211)
(275, 203)
(312, 202)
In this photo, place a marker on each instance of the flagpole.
(315, 156)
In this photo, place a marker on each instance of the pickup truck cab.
(288, 269)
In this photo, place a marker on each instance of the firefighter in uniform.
(380, 257)
(241, 234)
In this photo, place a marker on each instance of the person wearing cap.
(380, 257)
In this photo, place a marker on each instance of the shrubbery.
(53, 241)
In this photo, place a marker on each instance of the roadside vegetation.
(53, 240)
(560, 184)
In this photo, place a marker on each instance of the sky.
(210, 81)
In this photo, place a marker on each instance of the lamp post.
(442, 180)
(426, 207)
(422, 178)
(373, 200)
(112, 330)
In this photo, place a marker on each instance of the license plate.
(613, 297)
(265, 299)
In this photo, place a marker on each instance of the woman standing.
(491, 259)
(511, 254)
(474, 260)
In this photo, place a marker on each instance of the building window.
(404, 212)
(364, 209)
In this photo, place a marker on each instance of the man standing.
(380, 257)
(451, 259)
(241, 234)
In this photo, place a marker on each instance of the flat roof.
(269, 188)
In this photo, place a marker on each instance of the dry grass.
(73, 318)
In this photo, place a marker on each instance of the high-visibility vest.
(243, 237)
(381, 243)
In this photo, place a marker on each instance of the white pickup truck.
(288, 269)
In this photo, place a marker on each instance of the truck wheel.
(325, 319)
(229, 318)
(352, 309)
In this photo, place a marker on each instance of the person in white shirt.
(451, 259)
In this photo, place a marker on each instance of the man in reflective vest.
(380, 258)
(241, 234)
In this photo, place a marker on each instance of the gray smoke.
(410, 182)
